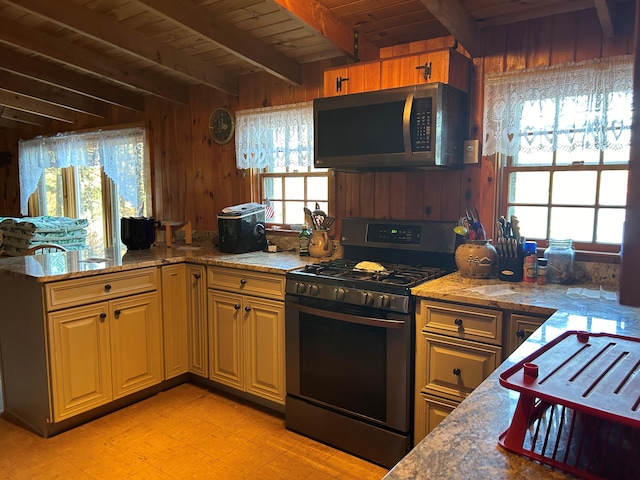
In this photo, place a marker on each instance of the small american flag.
(268, 209)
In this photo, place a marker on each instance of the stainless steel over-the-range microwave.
(422, 126)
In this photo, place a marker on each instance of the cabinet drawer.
(430, 411)
(247, 282)
(456, 367)
(80, 291)
(461, 321)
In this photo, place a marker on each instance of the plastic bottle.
(542, 271)
(559, 257)
(304, 241)
(529, 262)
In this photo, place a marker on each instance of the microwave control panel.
(421, 123)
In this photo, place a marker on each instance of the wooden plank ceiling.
(58, 57)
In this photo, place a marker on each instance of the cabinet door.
(136, 343)
(520, 328)
(198, 342)
(356, 78)
(430, 411)
(264, 348)
(456, 367)
(226, 363)
(80, 359)
(174, 320)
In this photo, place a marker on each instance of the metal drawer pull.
(237, 306)
(456, 371)
(107, 287)
(117, 313)
(103, 316)
(458, 322)
(520, 334)
(242, 281)
(196, 275)
(247, 308)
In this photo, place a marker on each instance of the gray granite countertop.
(75, 264)
(465, 444)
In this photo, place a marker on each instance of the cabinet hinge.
(426, 74)
(339, 81)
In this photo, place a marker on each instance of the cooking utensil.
(309, 217)
(327, 223)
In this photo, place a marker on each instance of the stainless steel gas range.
(350, 336)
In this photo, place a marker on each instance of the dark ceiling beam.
(37, 107)
(70, 54)
(453, 15)
(203, 23)
(33, 67)
(320, 19)
(606, 15)
(18, 116)
(104, 29)
(54, 95)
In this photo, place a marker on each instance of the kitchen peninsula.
(93, 333)
(465, 444)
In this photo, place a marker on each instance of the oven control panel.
(355, 296)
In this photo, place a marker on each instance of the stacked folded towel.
(20, 234)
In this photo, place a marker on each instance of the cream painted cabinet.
(198, 340)
(457, 347)
(104, 351)
(520, 327)
(246, 331)
(174, 319)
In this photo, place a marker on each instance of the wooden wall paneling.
(416, 187)
(368, 195)
(382, 195)
(515, 46)
(9, 183)
(397, 198)
(426, 195)
(589, 36)
(565, 28)
(451, 197)
(538, 42)
(623, 41)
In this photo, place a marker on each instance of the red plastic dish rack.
(579, 405)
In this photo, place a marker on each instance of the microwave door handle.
(406, 125)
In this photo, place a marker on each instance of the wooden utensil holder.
(168, 229)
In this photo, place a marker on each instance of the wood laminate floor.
(187, 432)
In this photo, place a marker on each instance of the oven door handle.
(345, 317)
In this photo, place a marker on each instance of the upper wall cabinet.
(445, 66)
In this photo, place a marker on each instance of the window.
(99, 176)
(278, 141)
(562, 136)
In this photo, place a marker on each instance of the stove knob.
(383, 301)
(339, 293)
(367, 298)
(300, 287)
(313, 290)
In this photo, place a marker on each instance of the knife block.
(510, 269)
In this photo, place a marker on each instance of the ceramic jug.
(320, 245)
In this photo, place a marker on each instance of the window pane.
(574, 188)
(534, 158)
(272, 187)
(53, 201)
(617, 156)
(533, 220)
(90, 204)
(294, 212)
(294, 189)
(578, 156)
(529, 187)
(613, 187)
(573, 223)
(610, 223)
(318, 188)
(278, 216)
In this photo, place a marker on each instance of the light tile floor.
(187, 432)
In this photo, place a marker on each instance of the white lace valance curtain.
(279, 136)
(572, 106)
(117, 151)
